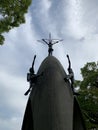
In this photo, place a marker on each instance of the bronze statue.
(71, 73)
(70, 76)
(50, 42)
(32, 77)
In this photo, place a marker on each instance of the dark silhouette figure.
(71, 74)
(50, 45)
(50, 50)
(32, 77)
(50, 42)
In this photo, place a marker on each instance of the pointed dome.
(52, 98)
(51, 105)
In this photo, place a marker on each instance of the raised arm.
(45, 41)
(69, 67)
(32, 69)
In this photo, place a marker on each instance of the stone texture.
(51, 102)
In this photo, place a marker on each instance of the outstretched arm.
(32, 68)
(45, 41)
(33, 61)
(69, 62)
(56, 42)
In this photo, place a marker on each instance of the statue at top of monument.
(50, 42)
(32, 77)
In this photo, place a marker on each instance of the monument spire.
(52, 104)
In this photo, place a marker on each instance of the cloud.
(74, 14)
(13, 122)
(13, 59)
(12, 101)
(90, 18)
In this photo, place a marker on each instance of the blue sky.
(74, 21)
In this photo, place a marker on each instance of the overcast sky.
(74, 21)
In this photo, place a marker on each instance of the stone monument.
(52, 104)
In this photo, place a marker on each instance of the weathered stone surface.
(51, 102)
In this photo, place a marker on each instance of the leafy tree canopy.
(90, 75)
(12, 15)
(89, 94)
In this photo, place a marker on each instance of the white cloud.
(12, 100)
(13, 122)
(74, 17)
(46, 4)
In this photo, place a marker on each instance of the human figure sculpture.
(32, 77)
(50, 42)
(50, 47)
(50, 50)
(71, 74)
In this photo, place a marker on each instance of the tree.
(88, 98)
(12, 15)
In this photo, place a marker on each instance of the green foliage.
(12, 15)
(88, 98)
(90, 75)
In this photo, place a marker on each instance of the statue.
(50, 42)
(50, 49)
(70, 76)
(32, 77)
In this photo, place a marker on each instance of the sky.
(74, 21)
